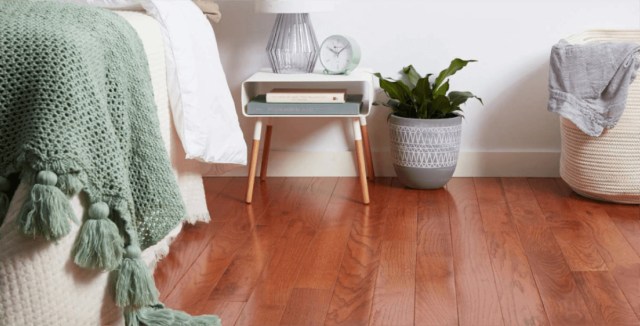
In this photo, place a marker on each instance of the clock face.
(339, 55)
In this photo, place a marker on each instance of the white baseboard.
(470, 164)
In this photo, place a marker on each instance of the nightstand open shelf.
(358, 82)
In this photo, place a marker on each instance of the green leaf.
(455, 65)
(422, 90)
(459, 98)
(395, 89)
(442, 90)
(423, 111)
(405, 110)
(441, 106)
(412, 75)
(417, 97)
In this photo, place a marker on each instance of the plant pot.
(425, 151)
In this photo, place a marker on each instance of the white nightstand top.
(266, 75)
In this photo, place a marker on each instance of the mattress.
(40, 283)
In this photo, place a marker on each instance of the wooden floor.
(483, 251)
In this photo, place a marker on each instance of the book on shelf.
(309, 95)
(260, 106)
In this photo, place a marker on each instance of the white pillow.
(203, 109)
(112, 4)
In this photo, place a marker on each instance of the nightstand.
(359, 81)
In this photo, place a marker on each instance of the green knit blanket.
(77, 114)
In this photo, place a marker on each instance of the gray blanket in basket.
(588, 83)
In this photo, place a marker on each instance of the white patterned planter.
(425, 151)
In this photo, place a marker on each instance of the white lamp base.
(293, 47)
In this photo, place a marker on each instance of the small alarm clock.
(339, 54)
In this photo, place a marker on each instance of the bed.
(39, 283)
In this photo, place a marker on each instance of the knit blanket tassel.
(158, 315)
(47, 211)
(99, 244)
(137, 294)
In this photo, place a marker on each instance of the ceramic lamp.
(293, 47)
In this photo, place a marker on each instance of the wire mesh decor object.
(293, 47)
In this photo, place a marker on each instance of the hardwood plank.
(435, 297)
(621, 259)
(269, 298)
(243, 273)
(200, 280)
(306, 307)
(394, 298)
(578, 248)
(478, 302)
(574, 238)
(403, 221)
(435, 283)
(240, 278)
(518, 293)
(562, 299)
(314, 201)
(323, 259)
(321, 264)
(285, 204)
(493, 205)
(225, 206)
(517, 290)
(434, 230)
(605, 298)
(189, 244)
(353, 292)
(342, 208)
(180, 263)
(213, 186)
(627, 219)
(209, 268)
(183, 254)
(307, 252)
(228, 311)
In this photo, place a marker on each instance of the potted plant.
(425, 125)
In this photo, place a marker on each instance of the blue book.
(259, 106)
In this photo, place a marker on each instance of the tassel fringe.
(134, 283)
(158, 315)
(47, 211)
(70, 184)
(99, 244)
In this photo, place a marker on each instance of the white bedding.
(201, 102)
(40, 283)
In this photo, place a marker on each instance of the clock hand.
(342, 49)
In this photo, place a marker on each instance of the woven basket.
(606, 167)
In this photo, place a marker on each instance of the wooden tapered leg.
(254, 160)
(265, 154)
(362, 172)
(371, 175)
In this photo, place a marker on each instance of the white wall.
(511, 135)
